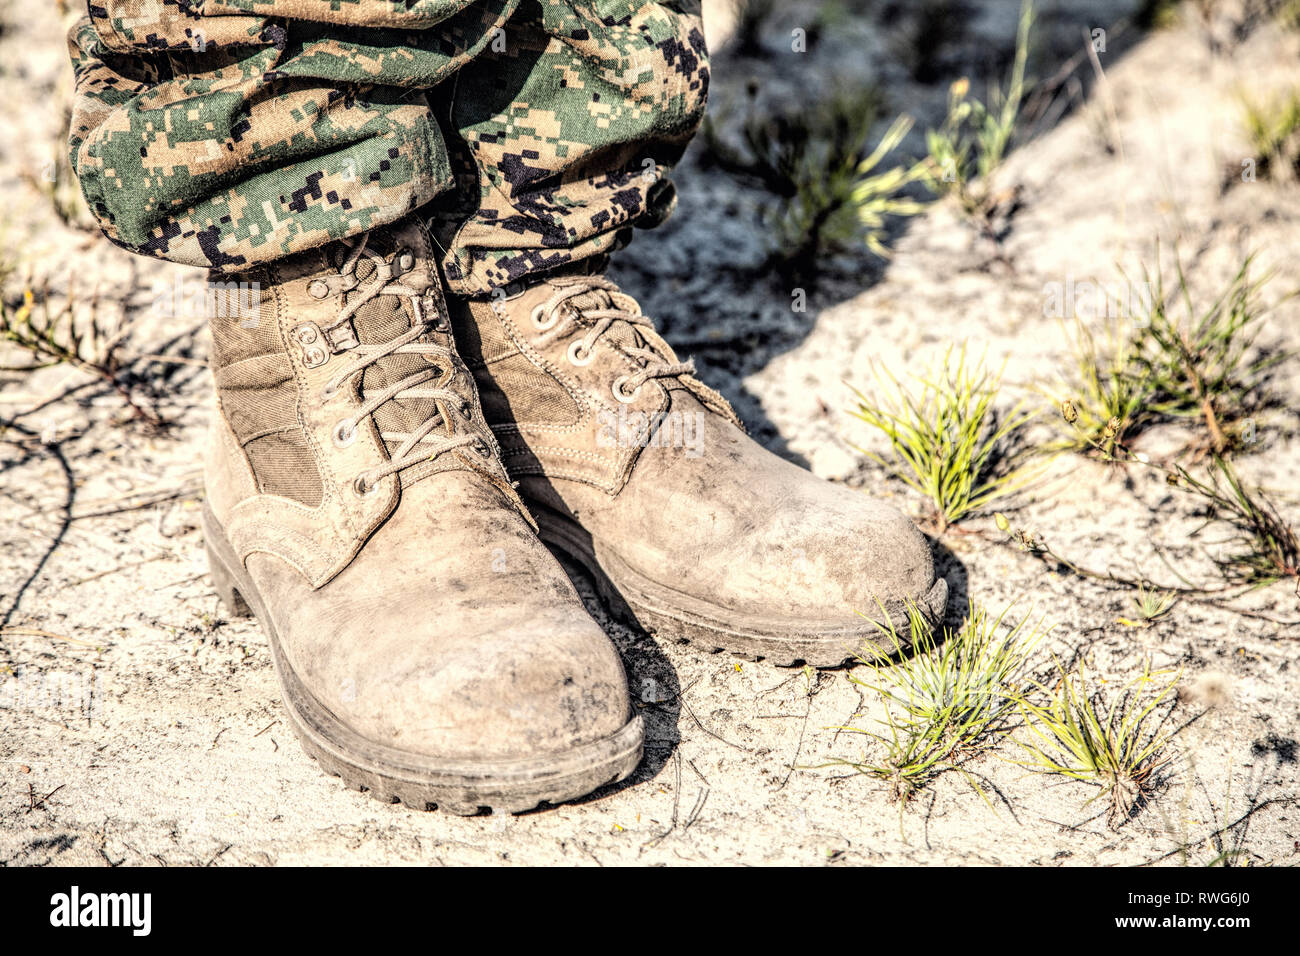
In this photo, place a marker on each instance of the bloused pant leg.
(229, 134)
(573, 123)
(229, 138)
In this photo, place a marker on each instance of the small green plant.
(1288, 14)
(1261, 547)
(818, 164)
(1202, 361)
(1110, 396)
(875, 196)
(1168, 358)
(944, 699)
(54, 335)
(1273, 130)
(948, 441)
(1152, 605)
(1116, 744)
(972, 142)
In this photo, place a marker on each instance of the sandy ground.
(184, 757)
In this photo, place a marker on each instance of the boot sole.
(667, 613)
(420, 782)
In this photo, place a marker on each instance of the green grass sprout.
(944, 698)
(1109, 739)
(948, 441)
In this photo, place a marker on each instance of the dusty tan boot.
(430, 647)
(644, 475)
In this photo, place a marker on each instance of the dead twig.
(34, 804)
(37, 632)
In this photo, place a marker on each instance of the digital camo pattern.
(229, 134)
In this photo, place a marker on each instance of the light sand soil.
(185, 756)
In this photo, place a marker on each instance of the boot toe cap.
(520, 689)
(854, 557)
(884, 558)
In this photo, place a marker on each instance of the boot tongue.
(379, 321)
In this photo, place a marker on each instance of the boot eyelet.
(329, 392)
(620, 393)
(542, 321)
(362, 488)
(344, 433)
(578, 357)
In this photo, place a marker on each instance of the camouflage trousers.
(229, 133)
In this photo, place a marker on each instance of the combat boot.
(645, 476)
(429, 647)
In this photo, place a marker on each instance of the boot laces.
(647, 350)
(420, 444)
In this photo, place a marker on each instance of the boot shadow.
(652, 680)
(949, 567)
